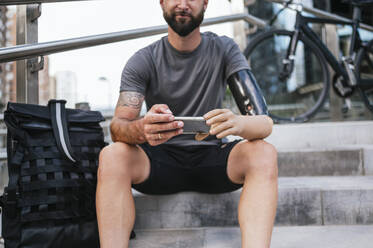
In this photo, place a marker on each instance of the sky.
(76, 19)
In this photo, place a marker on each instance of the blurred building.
(7, 70)
(47, 84)
(66, 87)
(8, 86)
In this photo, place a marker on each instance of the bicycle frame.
(301, 28)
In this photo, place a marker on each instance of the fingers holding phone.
(160, 125)
(222, 122)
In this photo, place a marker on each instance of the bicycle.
(291, 66)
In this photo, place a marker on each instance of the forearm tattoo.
(130, 99)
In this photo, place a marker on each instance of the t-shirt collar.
(174, 50)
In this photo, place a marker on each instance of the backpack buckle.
(10, 201)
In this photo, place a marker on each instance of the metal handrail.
(17, 2)
(324, 14)
(39, 49)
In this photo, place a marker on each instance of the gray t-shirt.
(191, 84)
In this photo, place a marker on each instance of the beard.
(183, 27)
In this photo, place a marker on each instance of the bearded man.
(186, 74)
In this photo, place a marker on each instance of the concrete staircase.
(325, 196)
(282, 237)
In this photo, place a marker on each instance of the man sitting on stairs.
(186, 74)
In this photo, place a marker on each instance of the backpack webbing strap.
(47, 200)
(56, 167)
(56, 215)
(32, 155)
(57, 183)
(11, 192)
(59, 123)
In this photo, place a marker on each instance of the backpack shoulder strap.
(59, 124)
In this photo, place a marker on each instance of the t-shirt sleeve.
(136, 73)
(234, 58)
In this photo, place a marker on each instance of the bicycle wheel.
(364, 73)
(298, 96)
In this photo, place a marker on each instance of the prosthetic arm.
(247, 94)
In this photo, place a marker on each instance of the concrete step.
(3, 170)
(282, 237)
(3, 133)
(229, 237)
(302, 201)
(3, 177)
(347, 161)
(321, 135)
(313, 149)
(340, 161)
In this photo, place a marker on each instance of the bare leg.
(120, 165)
(255, 165)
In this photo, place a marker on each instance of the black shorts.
(196, 168)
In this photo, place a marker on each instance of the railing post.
(239, 33)
(27, 70)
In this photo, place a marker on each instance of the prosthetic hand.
(247, 94)
(250, 101)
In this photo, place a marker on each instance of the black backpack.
(52, 163)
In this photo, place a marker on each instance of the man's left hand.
(223, 122)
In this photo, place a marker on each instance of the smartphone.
(193, 125)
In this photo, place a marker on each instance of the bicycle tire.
(277, 93)
(364, 74)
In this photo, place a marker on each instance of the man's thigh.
(122, 159)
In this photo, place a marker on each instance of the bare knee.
(260, 160)
(115, 162)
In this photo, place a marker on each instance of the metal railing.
(39, 49)
(324, 14)
(18, 2)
